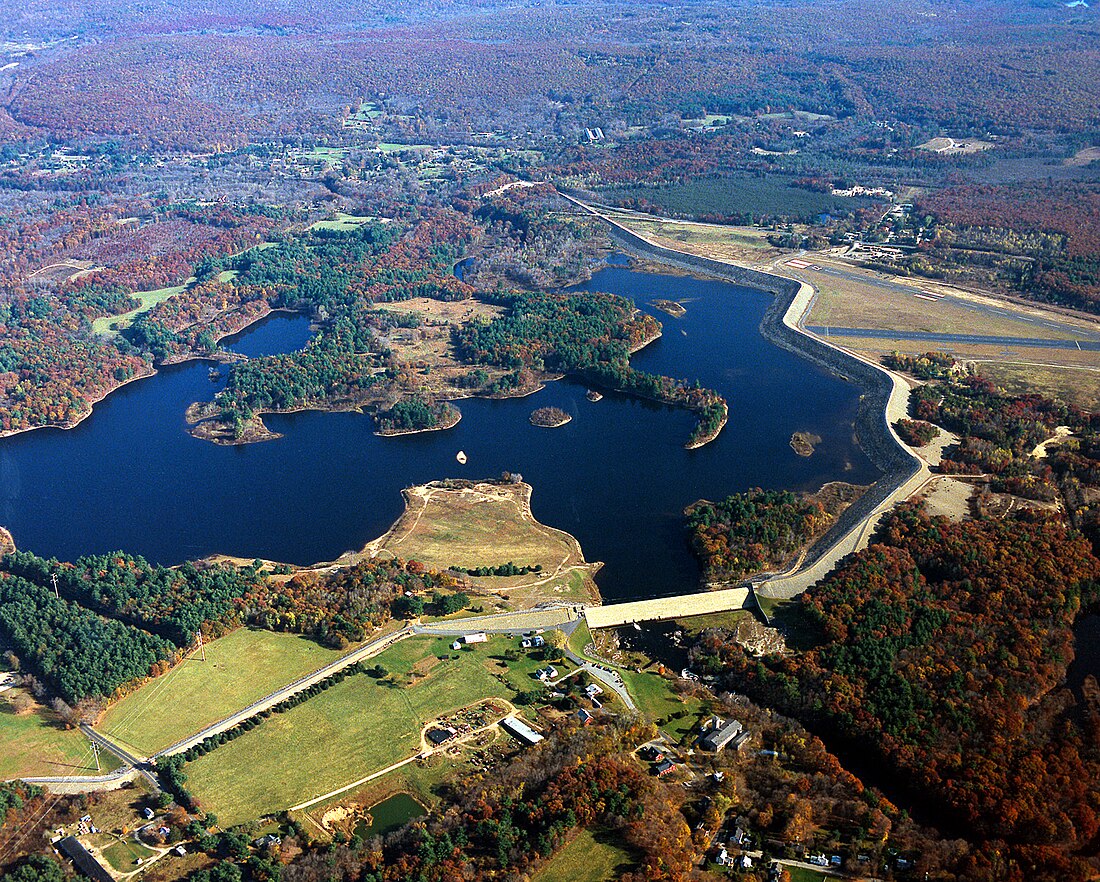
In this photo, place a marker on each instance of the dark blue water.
(617, 476)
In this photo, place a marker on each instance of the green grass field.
(655, 698)
(357, 727)
(34, 744)
(342, 222)
(588, 857)
(240, 668)
(112, 324)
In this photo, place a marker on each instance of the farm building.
(479, 637)
(520, 730)
(440, 735)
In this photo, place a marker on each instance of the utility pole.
(202, 648)
(53, 579)
(95, 753)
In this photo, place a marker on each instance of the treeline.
(941, 649)
(1054, 226)
(175, 603)
(748, 532)
(14, 795)
(75, 652)
(507, 569)
(345, 605)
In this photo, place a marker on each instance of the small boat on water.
(461, 457)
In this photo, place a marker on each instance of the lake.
(617, 477)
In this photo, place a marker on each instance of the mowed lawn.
(33, 744)
(351, 730)
(588, 857)
(240, 668)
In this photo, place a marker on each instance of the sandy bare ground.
(949, 497)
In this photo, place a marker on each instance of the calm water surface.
(617, 476)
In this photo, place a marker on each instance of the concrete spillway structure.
(660, 608)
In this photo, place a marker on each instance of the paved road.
(973, 339)
(128, 759)
(605, 675)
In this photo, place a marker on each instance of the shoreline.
(152, 370)
(884, 399)
(710, 436)
(442, 427)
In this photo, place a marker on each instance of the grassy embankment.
(240, 668)
(355, 728)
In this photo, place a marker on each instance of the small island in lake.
(593, 395)
(550, 417)
(804, 443)
(674, 309)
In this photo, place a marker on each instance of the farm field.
(33, 744)
(357, 727)
(588, 857)
(240, 668)
(489, 525)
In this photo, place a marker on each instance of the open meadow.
(240, 668)
(590, 856)
(355, 728)
(488, 525)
